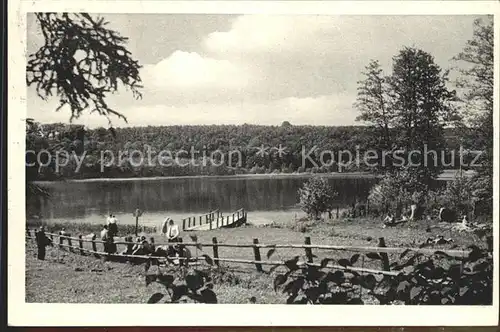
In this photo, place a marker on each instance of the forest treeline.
(302, 148)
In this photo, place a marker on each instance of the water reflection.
(76, 200)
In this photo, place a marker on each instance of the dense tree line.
(98, 147)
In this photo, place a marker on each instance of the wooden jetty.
(214, 220)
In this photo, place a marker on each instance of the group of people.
(141, 246)
(445, 215)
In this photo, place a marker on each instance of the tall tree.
(476, 81)
(82, 61)
(423, 105)
(372, 102)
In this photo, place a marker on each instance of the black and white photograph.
(258, 158)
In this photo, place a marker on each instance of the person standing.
(164, 226)
(112, 226)
(172, 232)
(42, 241)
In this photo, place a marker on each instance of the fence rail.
(190, 222)
(380, 249)
(256, 246)
(214, 219)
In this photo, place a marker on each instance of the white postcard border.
(32, 314)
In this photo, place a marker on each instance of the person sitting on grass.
(104, 233)
(130, 246)
(142, 247)
(389, 220)
(151, 245)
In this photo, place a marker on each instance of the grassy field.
(68, 277)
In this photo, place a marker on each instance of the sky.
(258, 69)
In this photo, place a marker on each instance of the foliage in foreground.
(186, 284)
(438, 279)
(434, 280)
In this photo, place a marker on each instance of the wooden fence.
(256, 247)
(213, 220)
(200, 220)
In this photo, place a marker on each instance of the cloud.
(263, 33)
(267, 69)
(189, 70)
(349, 37)
(320, 110)
(308, 56)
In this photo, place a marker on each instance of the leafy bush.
(186, 284)
(396, 191)
(316, 197)
(310, 284)
(469, 195)
(468, 282)
(439, 279)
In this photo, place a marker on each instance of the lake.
(266, 198)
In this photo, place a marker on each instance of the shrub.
(424, 280)
(316, 197)
(396, 191)
(183, 285)
(467, 282)
(469, 195)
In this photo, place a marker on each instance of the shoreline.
(446, 175)
(237, 176)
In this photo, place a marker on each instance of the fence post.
(233, 217)
(256, 252)
(69, 243)
(60, 240)
(385, 258)
(308, 250)
(217, 222)
(80, 242)
(200, 220)
(94, 247)
(181, 249)
(183, 224)
(337, 212)
(216, 251)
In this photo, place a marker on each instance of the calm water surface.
(265, 199)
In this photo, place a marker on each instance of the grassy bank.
(70, 277)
